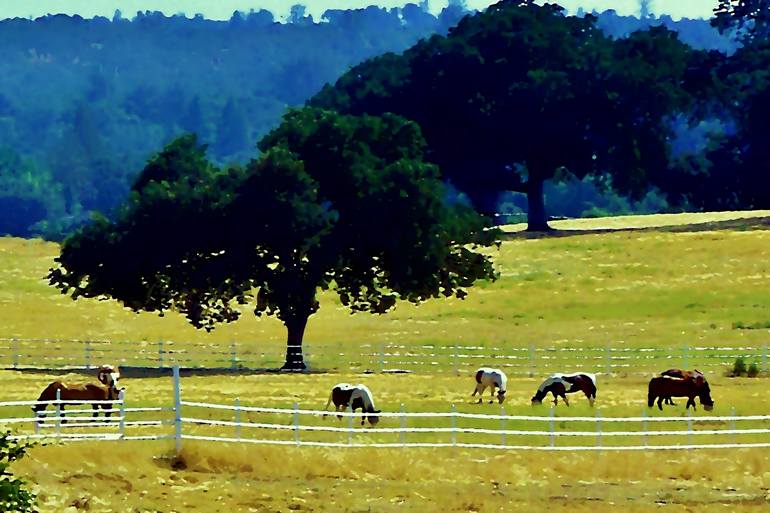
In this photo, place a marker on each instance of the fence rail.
(385, 357)
(242, 423)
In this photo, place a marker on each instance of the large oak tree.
(334, 202)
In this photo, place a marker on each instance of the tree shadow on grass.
(747, 224)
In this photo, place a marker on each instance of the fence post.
(502, 423)
(551, 426)
(402, 432)
(350, 425)
(532, 355)
(238, 418)
(296, 423)
(689, 427)
(732, 424)
(607, 360)
(15, 352)
(177, 410)
(122, 399)
(160, 354)
(58, 413)
(598, 428)
(454, 425)
(644, 426)
(233, 356)
(88, 354)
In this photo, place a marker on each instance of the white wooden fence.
(240, 423)
(385, 357)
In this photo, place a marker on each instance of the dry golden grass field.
(700, 280)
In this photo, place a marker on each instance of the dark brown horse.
(683, 374)
(661, 387)
(84, 393)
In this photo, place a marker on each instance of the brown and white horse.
(355, 397)
(492, 378)
(85, 393)
(559, 385)
(661, 387)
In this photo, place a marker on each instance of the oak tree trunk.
(537, 221)
(296, 331)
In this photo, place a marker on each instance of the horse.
(492, 378)
(85, 393)
(661, 387)
(562, 384)
(684, 374)
(344, 395)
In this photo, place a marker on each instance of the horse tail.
(329, 401)
(479, 373)
(651, 393)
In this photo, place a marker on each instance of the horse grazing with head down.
(661, 387)
(85, 393)
(492, 378)
(683, 374)
(355, 397)
(559, 385)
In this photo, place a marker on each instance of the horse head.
(373, 419)
(501, 396)
(538, 397)
(109, 375)
(704, 394)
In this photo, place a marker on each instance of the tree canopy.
(521, 94)
(336, 202)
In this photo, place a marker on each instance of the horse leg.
(660, 403)
(481, 391)
(61, 414)
(564, 396)
(491, 394)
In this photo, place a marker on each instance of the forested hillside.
(84, 102)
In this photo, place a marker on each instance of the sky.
(223, 9)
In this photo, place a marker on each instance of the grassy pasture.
(697, 284)
(694, 284)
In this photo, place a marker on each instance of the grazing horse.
(492, 378)
(684, 374)
(86, 393)
(563, 384)
(344, 395)
(661, 387)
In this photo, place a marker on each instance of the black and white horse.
(559, 385)
(355, 397)
(492, 378)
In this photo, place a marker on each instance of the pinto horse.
(492, 378)
(344, 395)
(85, 393)
(559, 385)
(661, 387)
(684, 374)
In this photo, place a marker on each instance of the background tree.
(521, 94)
(749, 18)
(334, 202)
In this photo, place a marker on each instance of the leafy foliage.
(521, 94)
(14, 497)
(750, 18)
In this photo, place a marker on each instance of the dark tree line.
(84, 102)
